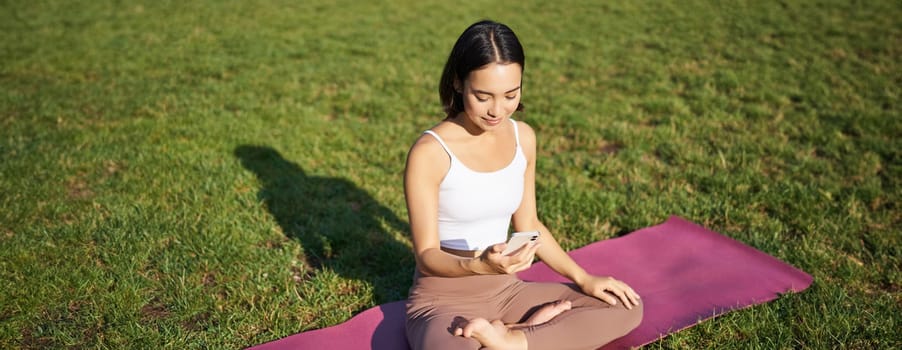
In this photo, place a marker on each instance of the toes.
(457, 325)
(560, 306)
(564, 305)
(476, 326)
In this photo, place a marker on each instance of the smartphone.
(519, 239)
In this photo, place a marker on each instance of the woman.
(466, 180)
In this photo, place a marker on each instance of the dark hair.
(482, 43)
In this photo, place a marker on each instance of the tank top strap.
(441, 142)
(448, 150)
(516, 132)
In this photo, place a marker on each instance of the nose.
(497, 109)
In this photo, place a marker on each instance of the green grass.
(217, 174)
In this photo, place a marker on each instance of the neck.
(462, 120)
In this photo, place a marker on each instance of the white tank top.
(475, 208)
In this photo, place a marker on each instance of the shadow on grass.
(339, 226)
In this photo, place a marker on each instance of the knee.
(626, 321)
(634, 317)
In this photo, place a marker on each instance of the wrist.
(473, 265)
(580, 277)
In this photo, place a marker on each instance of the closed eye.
(483, 96)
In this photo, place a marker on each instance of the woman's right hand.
(514, 262)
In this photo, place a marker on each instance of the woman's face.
(491, 94)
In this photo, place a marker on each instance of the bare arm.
(526, 219)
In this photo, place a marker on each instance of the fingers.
(611, 290)
(529, 248)
(523, 265)
(494, 251)
(517, 261)
(629, 293)
(625, 294)
(524, 256)
(526, 252)
(534, 249)
(633, 296)
(605, 297)
(622, 296)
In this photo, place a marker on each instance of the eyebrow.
(489, 93)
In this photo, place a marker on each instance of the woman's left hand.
(605, 288)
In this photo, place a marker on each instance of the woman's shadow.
(338, 225)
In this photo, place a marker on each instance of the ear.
(457, 86)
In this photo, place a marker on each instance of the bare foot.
(492, 335)
(547, 312)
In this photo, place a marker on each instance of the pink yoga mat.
(684, 273)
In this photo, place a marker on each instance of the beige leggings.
(435, 302)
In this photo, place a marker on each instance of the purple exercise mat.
(684, 273)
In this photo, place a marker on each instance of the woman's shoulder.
(523, 127)
(525, 132)
(445, 129)
(443, 133)
(427, 159)
(427, 146)
(424, 143)
(431, 137)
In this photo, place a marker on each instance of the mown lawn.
(217, 174)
